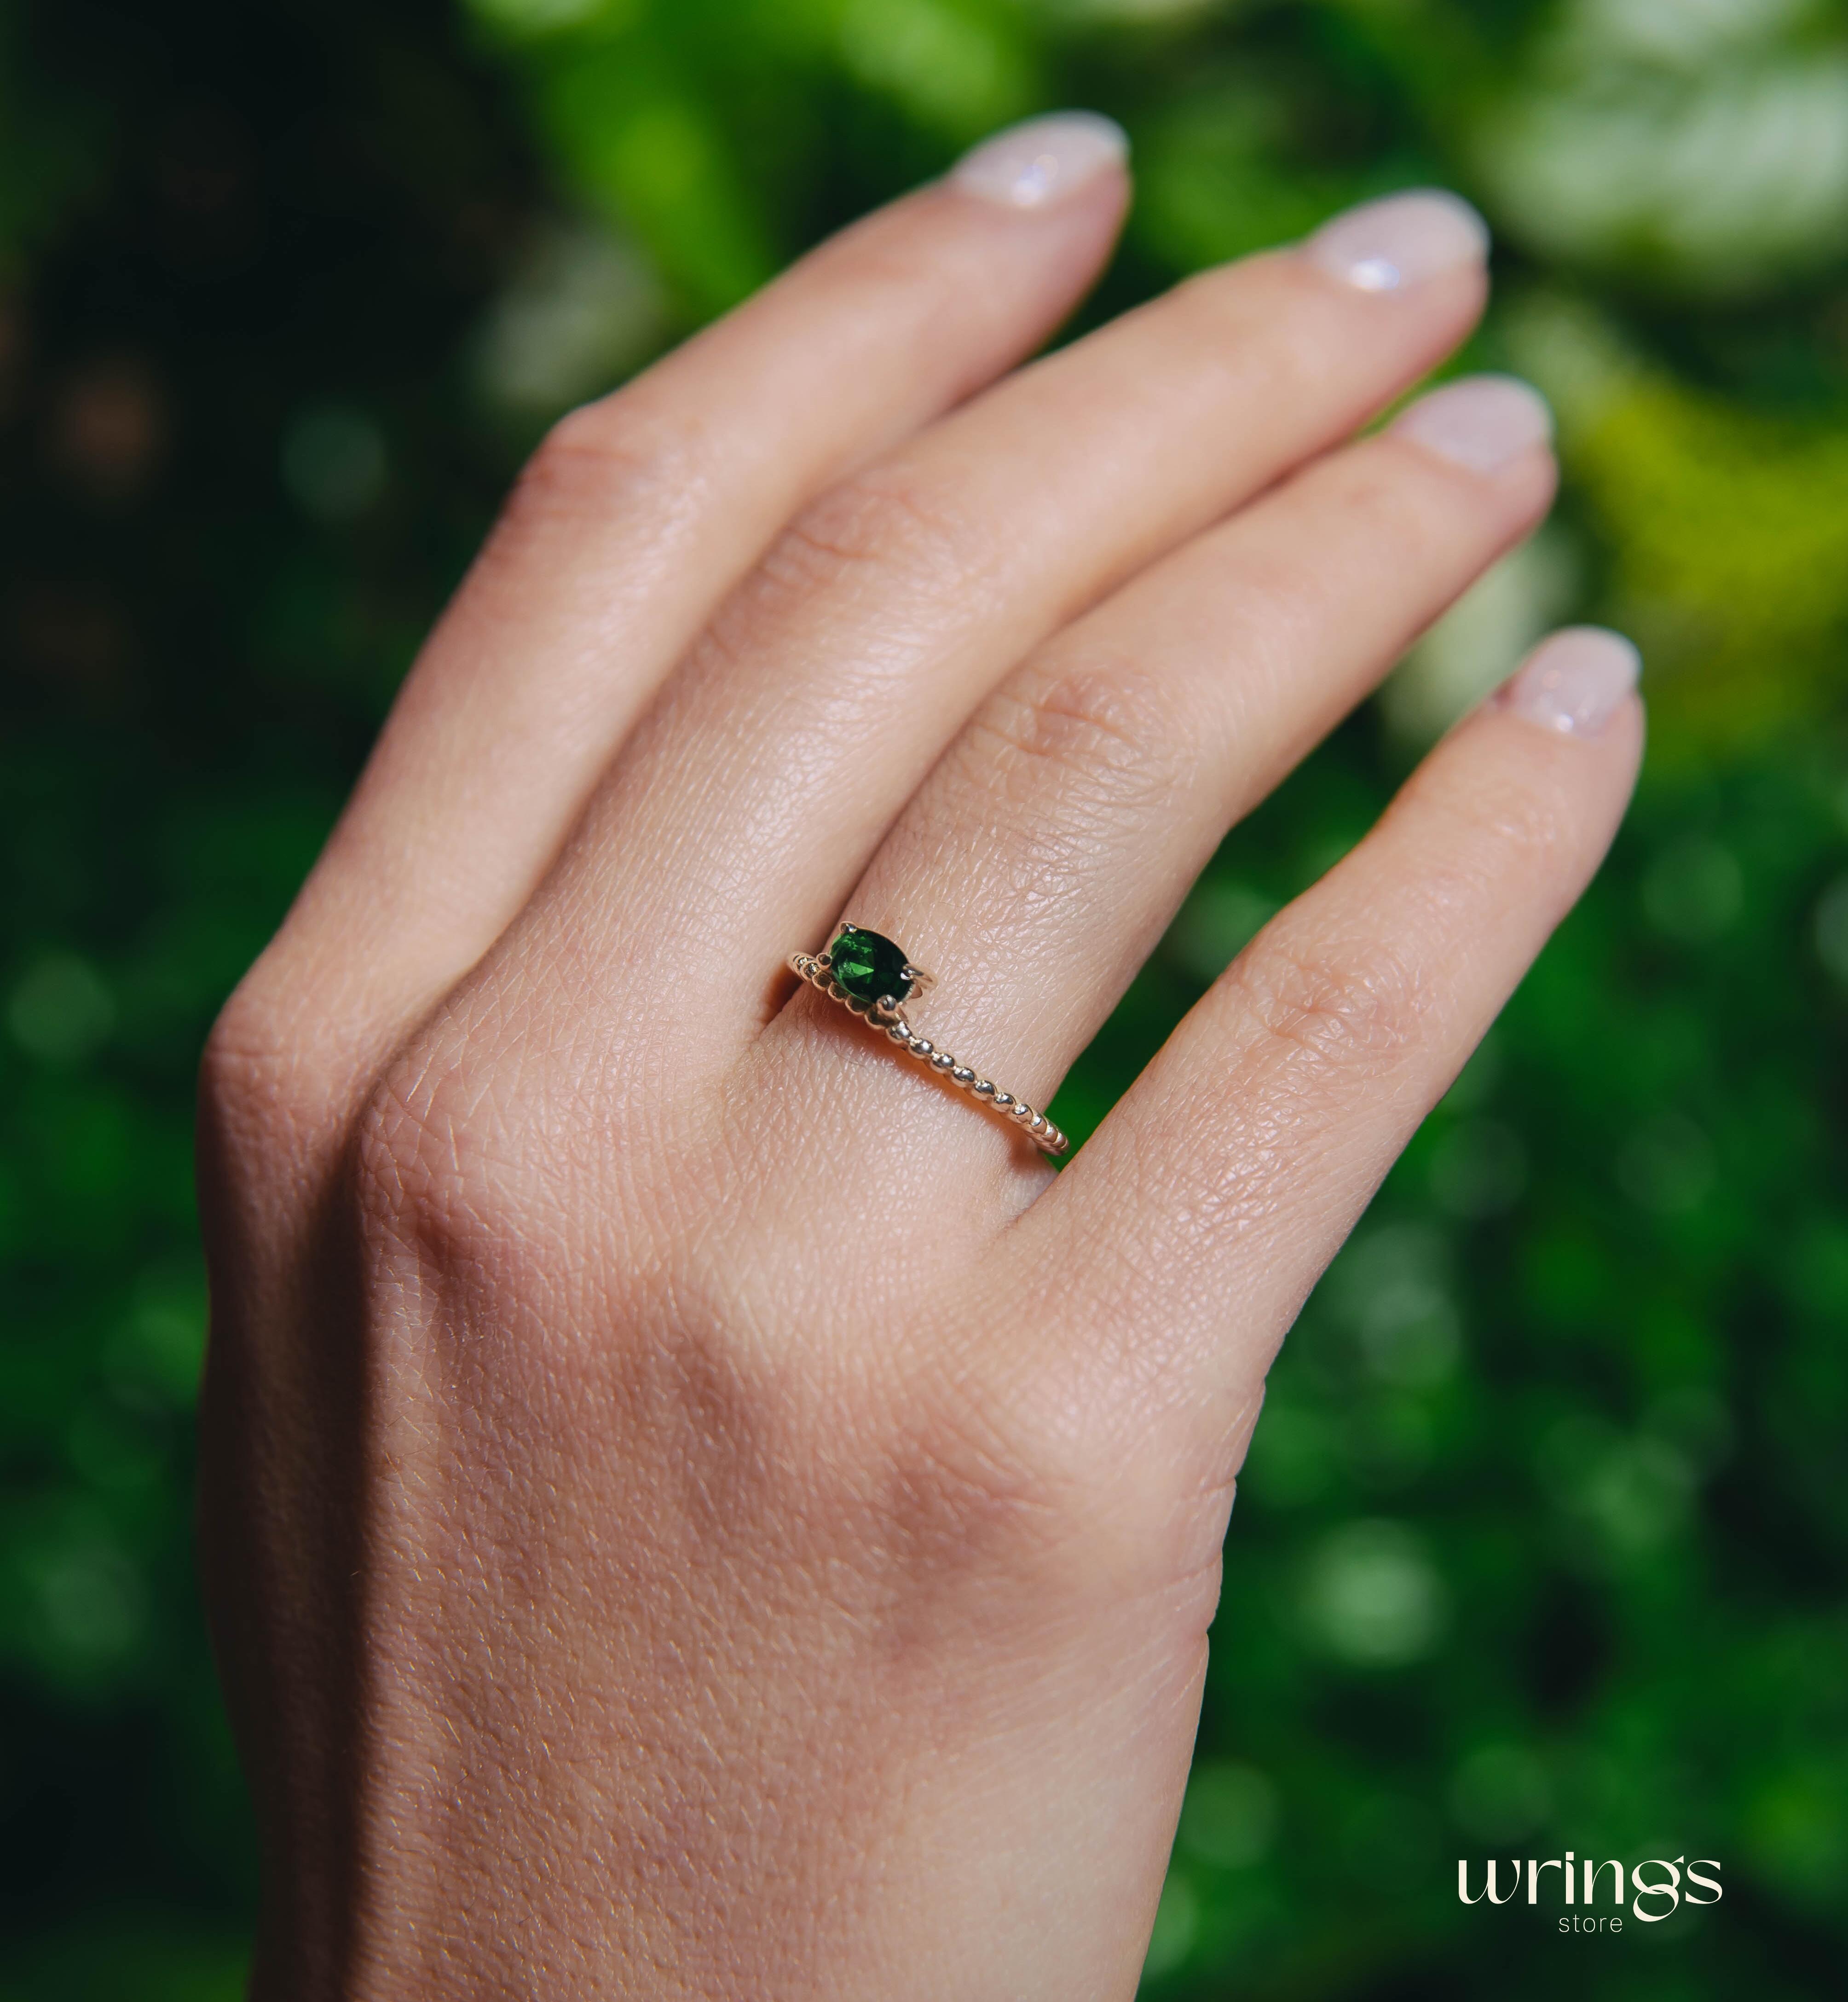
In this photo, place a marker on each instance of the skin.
(689, 1505)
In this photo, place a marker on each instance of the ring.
(873, 978)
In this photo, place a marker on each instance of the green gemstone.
(868, 966)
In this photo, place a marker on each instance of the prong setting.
(885, 1012)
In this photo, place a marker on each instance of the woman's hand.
(692, 1505)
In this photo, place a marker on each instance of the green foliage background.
(1541, 1543)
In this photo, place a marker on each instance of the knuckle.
(1104, 732)
(244, 1043)
(426, 1172)
(1039, 1482)
(1354, 1009)
(262, 1085)
(392, 1153)
(974, 1493)
(612, 460)
(896, 522)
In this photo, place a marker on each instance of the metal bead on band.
(870, 966)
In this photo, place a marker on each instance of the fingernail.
(1483, 424)
(1574, 682)
(1400, 240)
(1039, 163)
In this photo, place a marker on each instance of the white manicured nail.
(1575, 682)
(1035, 164)
(1483, 423)
(1401, 240)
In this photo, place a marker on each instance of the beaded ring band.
(872, 979)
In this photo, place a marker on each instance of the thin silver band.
(813, 968)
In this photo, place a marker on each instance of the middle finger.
(751, 798)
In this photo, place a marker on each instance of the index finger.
(634, 517)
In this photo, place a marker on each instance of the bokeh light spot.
(1694, 890)
(1372, 1596)
(60, 1010)
(1831, 928)
(1177, 1927)
(1479, 1169)
(1230, 1816)
(334, 461)
(1501, 1793)
(1668, 1165)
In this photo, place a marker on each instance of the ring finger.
(1049, 849)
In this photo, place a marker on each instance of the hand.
(691, 1504)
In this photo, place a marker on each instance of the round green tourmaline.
(868, 966)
